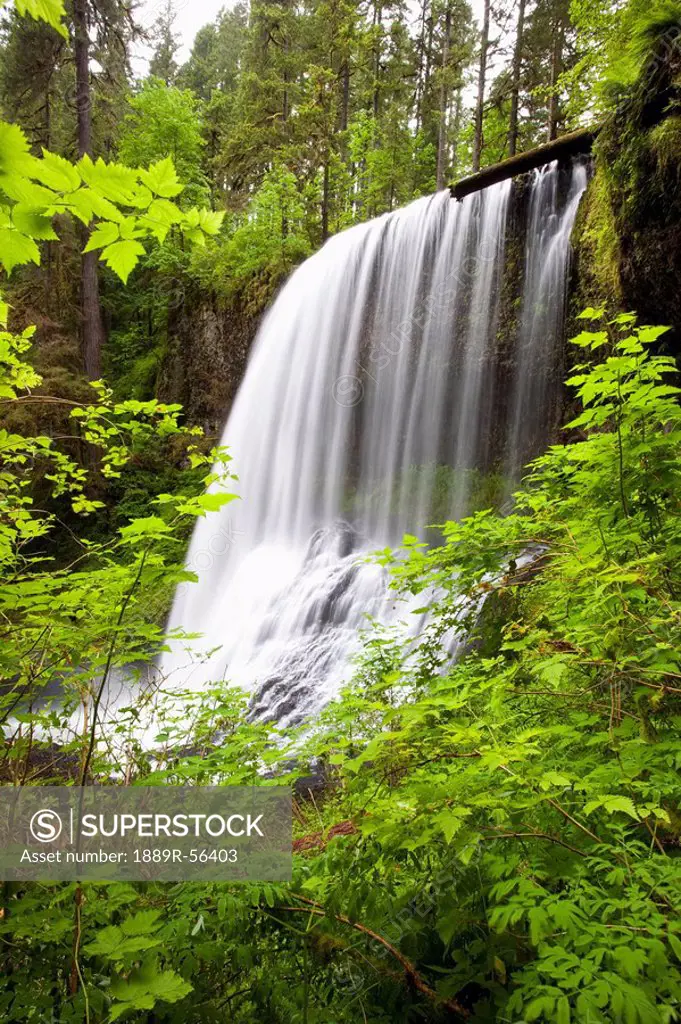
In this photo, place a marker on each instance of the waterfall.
(372, 405)
(538, 373)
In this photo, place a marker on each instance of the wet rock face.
(207, 353)
(651, 270)
(629, 241)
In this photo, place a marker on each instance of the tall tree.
(457, 115)
(378, 43)
(515, 80)
(482, 75)
(93, 336)
(559, 24)
(32, 78)
(163, 64)
(444, 102)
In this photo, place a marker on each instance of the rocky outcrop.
(208, 347)
(628, 235)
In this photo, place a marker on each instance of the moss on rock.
(628, 235)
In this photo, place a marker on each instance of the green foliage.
(166, 122)
(498, 827)
(498, 832)
(527, 798)
(75, 618)
(261, 247)
(126, 205)
(50, 11)
(638, 158)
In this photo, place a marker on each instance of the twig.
(536, 835)
(410, 971)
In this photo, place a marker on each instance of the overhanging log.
(574, 144)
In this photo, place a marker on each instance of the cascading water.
(538, 357)
(369, 409)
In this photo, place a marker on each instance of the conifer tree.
(163, 64)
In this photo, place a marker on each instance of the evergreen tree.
(482, 76)
(163, 64)
(515, 79)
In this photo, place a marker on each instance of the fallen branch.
(318, 841)
(565, 147)
(411, 974)
(535, 835)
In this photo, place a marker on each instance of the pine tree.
(482, 74)
(444, 101)
(163, 64)
(33, 85)
(93, 335)
(515, 79)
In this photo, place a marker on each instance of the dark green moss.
(628, 238)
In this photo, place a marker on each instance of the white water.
(366, 409)
(539, 355)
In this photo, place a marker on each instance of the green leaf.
(613, 804)
(651, 334)
(210, 221)
(542, 1006)
(675, 944)
(15, 154)
(563, 1011)
(146, 986)
(150, 526)
(624, 804)
(449, 823)
(51, 11)
(540, 924)
(106, 942)
(211, 502)
(160, 217)
(590, 339)
(592, 313)
(123, 257)
(113, 182)
(87, 204)
(56, 172)
(552, 780)
(32, 223)
(105, 234)
(161, 178)
(16, 249)
(142, 923)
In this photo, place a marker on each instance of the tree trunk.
(285, 77)
(325, 203)
(93, 337)
(378, 23)
(562, 149)
(444, 104)
(480, 105)
(427, 70)
(515, 82)
(556, 69)
(345, 95)
(456, 133)
(420, 76)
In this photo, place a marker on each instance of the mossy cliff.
(208, 345)
(628, 234)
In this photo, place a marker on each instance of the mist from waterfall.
(375, 402)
